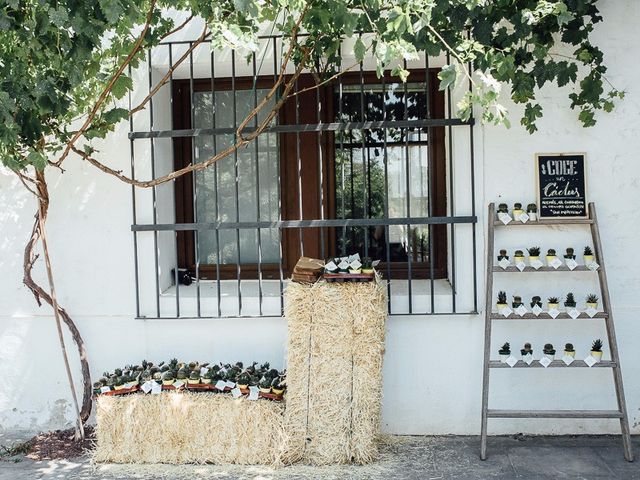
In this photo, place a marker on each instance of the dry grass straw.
(178, 428)
(334, 371)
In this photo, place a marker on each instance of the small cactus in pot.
(570, 301)
(570, 255)
(534, 253)
(551, 256)
(504, 352)
(536, 300)
(596, 349)
(592, 301)
(549, 351)
(588, 256)
(265, 385)
(518, 256)
(168, 378)
(503, 208)
(552, 302)
(502, 301)
(503, 255)
(194, 377)
(517, 301)
(526, 350)
(532, 211)
(243, 380)
(569, 351)
(517, 210)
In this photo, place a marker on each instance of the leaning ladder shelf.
(614, 363)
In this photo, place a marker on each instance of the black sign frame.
(561, 185)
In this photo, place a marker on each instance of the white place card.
(593, 266)
(156, 389)
(504, 217)
(203, 370)
(147, 386)
(230, 384)
(504, 263)
(536, 264)
(573, 313)
(105, 389)
(375, 263)
(178, 383)
(353, 258)
(523, 217)
(506, 311)
(545, 362)
(554, 312)
(555, 263)
(528, 359)
(592, 312)
(521, 310)
(236, 392)
(567, 360)
(355, 264)
(511, 361)
(590, 361)
(343, 265)
(536, 310)
(331, 266)
(220, 384)
(521, 265)
(253, 392)
(571, 263)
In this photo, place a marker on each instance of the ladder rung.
(545, 268)
(560, 221)
(554, 414)
(546, 316)
(554, 364)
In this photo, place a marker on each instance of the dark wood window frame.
(307, 113)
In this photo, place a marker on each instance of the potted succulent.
(207, 378)
(596, 349)
(503, 208)
(167, 378)
(182, 374)
(551, 256)
(97, 386)
(517, 301)
(367, 266)
(243, 381)
(503, 255)
(505, 352)
(592, 301)
(569, 351)
(536, 300)
(278, 386)
(549, 351)
(194, 377)
(532, 211)
(527, 350)
(569, 254)
(518, 256)
(118, 382)
(570, 302)
(502, 301)
(534, 254)
(552, 302)
(517, 210)
(265, 385)
(588, 256)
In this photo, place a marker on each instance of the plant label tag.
(574, 313)
(253, 392)
(545, 362)
(178, 384)
(511, 361)
(593, 266)
(353, 258)
(532, 216)
(555, 263)
(521, 310)
(355, 264)
(343, 265)
(230, 384)
(536, 310)
(528, 359)
(504, 217)
(536, 264)
(236, 392)
(156, 389)
(592, 312)
(571, 263)
(375, 263)
(203, 370)
(105, 389)
(523, 217)
(506, 311)
(220, 384)
(590, 361)
(331, 266)
(567, 360)
(554, 312)
(146, 387)
(520, 265)
(504, 263)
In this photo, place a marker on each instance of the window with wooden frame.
(346, 150)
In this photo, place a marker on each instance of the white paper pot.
(570, 354)
(550, 258)
(593, 305)
(533, 258)
(588, 259)
(596, 355)
(503, 358)
(532, 216)
(550, 357)
(501, 307)
(552, 306)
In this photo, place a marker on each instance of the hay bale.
(186, 427)
(334, 371)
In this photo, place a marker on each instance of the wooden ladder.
(490, 316)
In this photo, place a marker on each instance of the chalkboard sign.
(561, 185)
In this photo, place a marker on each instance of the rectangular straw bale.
(334, 371)
(186, 427)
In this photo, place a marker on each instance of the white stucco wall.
(432, 375)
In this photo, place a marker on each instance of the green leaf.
(115, 115)
(121, 86)
(37, 159)
(448, 76)
(359, 49)
(587, 117)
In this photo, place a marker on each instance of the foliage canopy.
(61, 60)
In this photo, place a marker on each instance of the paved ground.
(419, 458)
